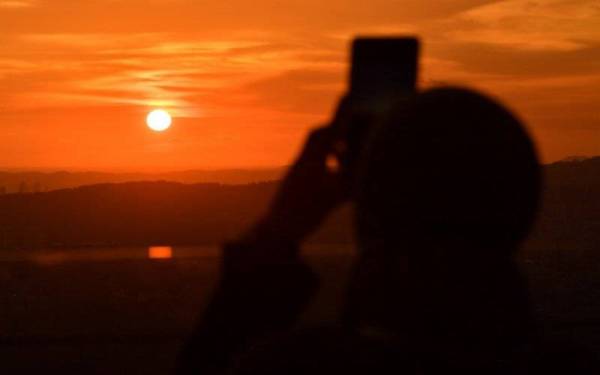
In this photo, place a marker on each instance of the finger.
(318, 145)
(343, 114)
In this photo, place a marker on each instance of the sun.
(158, 120)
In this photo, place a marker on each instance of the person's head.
(449, 165)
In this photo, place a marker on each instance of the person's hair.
(449, 163)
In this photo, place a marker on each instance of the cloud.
(296, 90)
(212, 18)
(504, 61)
(181, 72)
(17, 3)
(266, 62)
(542, 25)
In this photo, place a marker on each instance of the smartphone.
(383, 69)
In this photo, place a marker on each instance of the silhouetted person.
(446, 189)
(449, 188)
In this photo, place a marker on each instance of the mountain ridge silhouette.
(29, 181)
(173, 213)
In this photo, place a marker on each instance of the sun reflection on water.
(160, 252)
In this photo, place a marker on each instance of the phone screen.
(383, 68)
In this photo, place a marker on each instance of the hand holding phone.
(383, 72)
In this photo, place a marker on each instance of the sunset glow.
(246, 79)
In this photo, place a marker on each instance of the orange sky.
(245, 79)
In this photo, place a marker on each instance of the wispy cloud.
(247, 67)
(154, 69)
(556, 25)
(17, 3)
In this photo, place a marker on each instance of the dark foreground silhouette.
(447, 189)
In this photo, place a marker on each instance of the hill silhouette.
(134, 213)
(171, 213)
(570, 212)
(13, 182)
